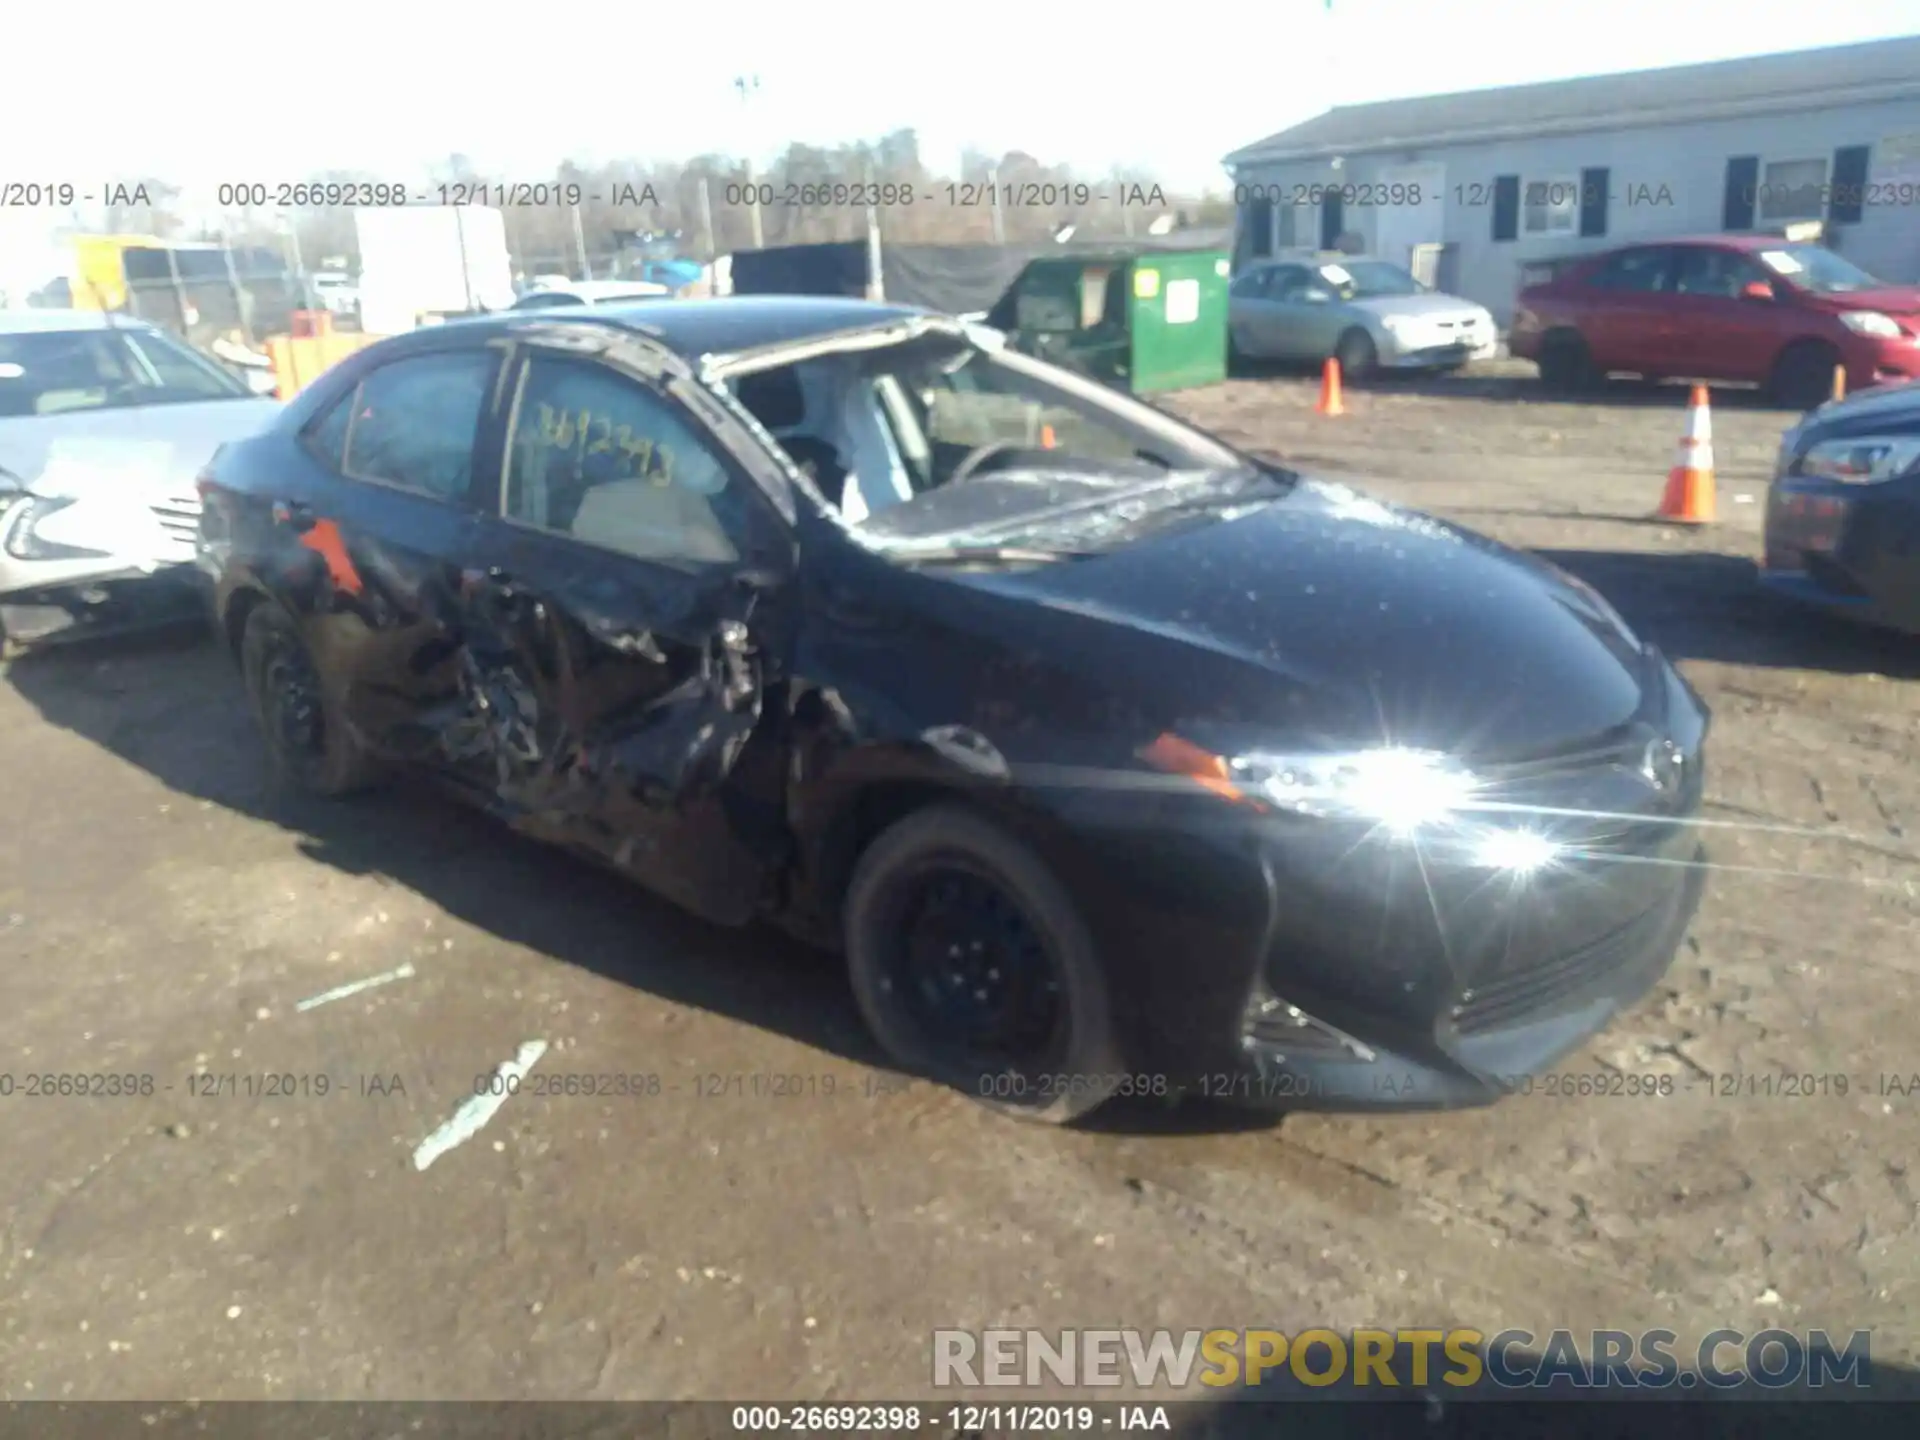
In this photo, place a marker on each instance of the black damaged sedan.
(1115, 760)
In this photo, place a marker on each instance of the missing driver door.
(623, 625)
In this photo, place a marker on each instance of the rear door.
(374, 531)
(1719, 334)
(1624, 311)
(627, 611)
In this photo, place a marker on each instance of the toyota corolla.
(1113, 759)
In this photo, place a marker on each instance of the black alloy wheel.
(972, 966)
(306, 744)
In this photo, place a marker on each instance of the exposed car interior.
(874, 429)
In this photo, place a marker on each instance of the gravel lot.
(161, 913)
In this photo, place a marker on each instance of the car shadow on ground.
(1702, 606)
(1502, 381)
(170, 702)
(1625, 394)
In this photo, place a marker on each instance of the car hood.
(1888, 300)
(1354, 620)
(1424, 306)
(155, 449)
(1883, 409)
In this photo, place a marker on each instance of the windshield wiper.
(962, 553)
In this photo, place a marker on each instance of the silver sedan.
(1369, 314)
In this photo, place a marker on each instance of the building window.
(1791, 190)
(1551, 206)
(1286, 222)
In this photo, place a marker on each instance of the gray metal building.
(1478, 191)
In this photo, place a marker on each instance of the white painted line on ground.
(343, 992)
(476, 1111)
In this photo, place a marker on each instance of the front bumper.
(1852, 550)
(1874, 360)
(1299, 964)
(115, 537)
(1417, 353)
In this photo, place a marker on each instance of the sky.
(271, 93)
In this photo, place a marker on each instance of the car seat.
(776, 399)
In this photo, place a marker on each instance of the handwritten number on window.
(640, 456)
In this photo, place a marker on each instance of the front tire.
(1357, 355)
(1802, 377)
(308, 746)
(972, 966)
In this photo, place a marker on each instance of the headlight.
(1395, 325)
(1870, 322)
(1865, 461)
(1411, 795)
(23, 543)
(1402, 790)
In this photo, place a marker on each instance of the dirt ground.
(161, 914)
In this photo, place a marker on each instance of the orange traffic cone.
(1330, 389)
(1689, 495)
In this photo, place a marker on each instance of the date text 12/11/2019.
(958, 195)
(767, 194)
(909, 1419)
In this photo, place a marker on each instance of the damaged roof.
(1797, 80)
(731, 324)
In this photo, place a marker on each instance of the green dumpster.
(1137, 320)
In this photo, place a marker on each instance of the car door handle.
(295, 514)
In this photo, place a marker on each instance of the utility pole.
(749, 86)
(706, 221)
(580, 245)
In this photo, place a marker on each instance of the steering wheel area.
(978, 457)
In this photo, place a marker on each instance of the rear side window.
(411, 423)
(1641, 270)
(1289, 282)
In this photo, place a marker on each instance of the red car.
(1752, 309)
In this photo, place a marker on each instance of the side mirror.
(1756, 290)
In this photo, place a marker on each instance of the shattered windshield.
(937, 440)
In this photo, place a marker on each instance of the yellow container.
(299, 360)
(100, 274)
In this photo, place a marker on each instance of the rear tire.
(1566, 364)
(1357, 355)
(308, 746)
(1802, 377)
(1012, 943)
